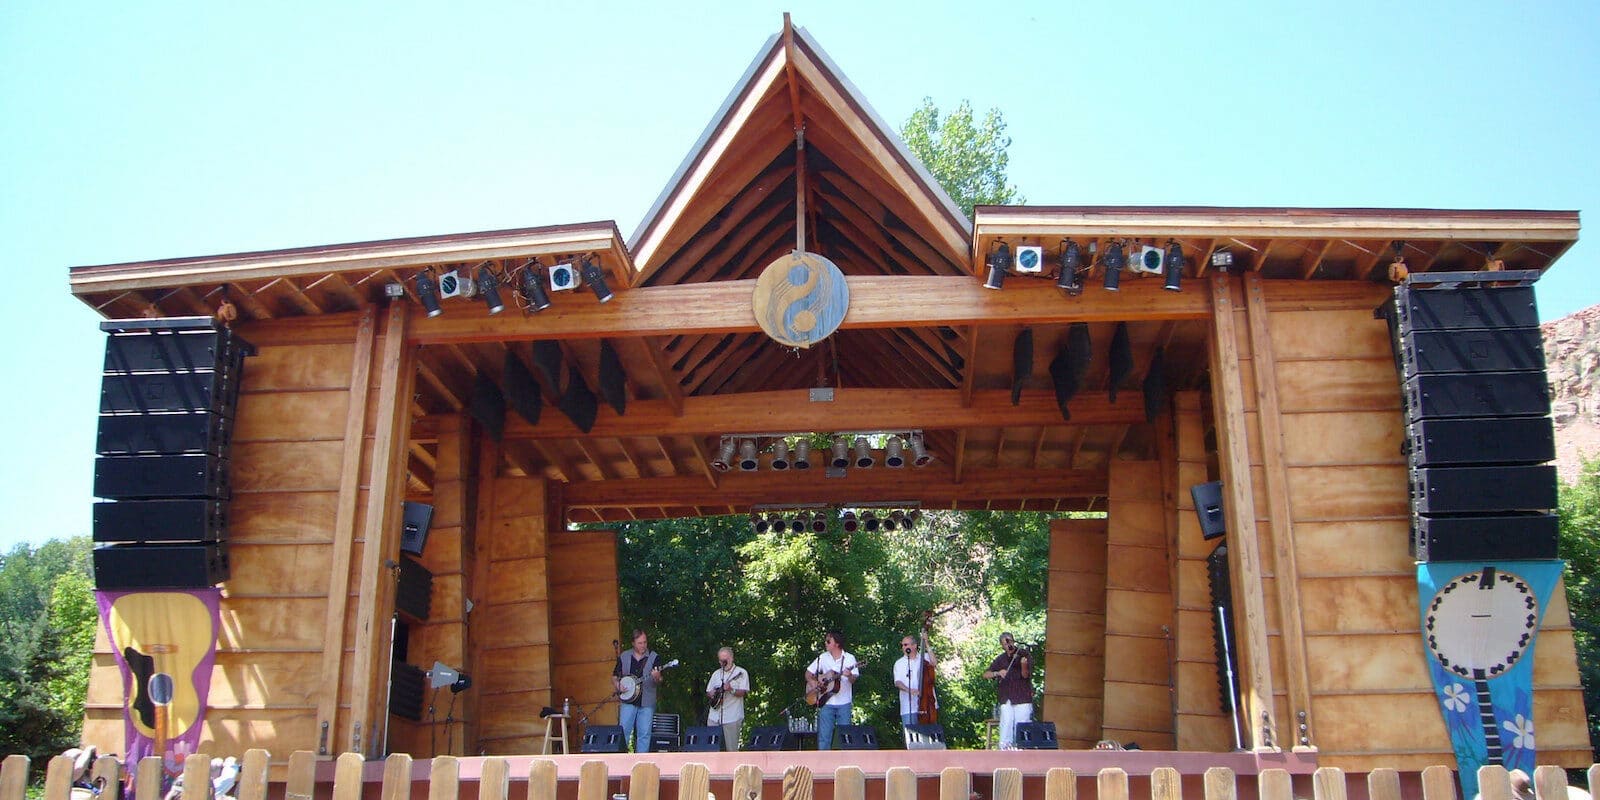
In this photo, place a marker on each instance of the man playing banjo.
(634, 679)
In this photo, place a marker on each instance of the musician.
(637, 714)
(1014, 669)
(908, 678)
(728, 685)
(832, 669)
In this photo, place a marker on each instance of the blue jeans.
(635, 722)
(827, 717)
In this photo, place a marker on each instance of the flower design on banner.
(1456, 698)
(1521, 732)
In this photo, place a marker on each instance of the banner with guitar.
(1480, 621)
(165, 643)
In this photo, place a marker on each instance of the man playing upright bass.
(830, 679)
(726, 690)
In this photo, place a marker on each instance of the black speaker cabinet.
(702, 739)
(406, 684)
(1469, 490)
(1464, 308)
(1499, 537)
(1504, 440)
(149, 434)
(413, 595)
(147, 477)
(147, 566)
(772, 737)
(148, 393)
(1036, 736)
(1492, 350)
(604, 739)
(414, 534)
(1477, 394)
(855, 737)
(161, 521)
(1208, 507)
(925, 737)
(172, 344)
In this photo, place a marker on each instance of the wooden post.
(1111, 784)
(494, 783)
(1327, 783)
(796, 784)
(1239, 503)
(147, 781)
(542, 780)
(746, 782)
(1438, 783)
(396, 777)
(1007, 784)
(849, 783)
(900, 783)
(694, 782)
(1383, 783)
(1166, 784)
(346, 777)
(1060, 783)
(1220, 784)
(444, 778)
(58, 778)
(1494, 782)
(954, 784)
(1276, 784)
(644, 783)
(14, 777)
(1550, 783)
(593, 781)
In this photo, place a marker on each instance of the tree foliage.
(1579, 510)
(47, 623)
(965, 155)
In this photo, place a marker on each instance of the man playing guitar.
(830, 679)
(726, 690)
(639, 711)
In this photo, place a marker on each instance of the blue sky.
(133, 131)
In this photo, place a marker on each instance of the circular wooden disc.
(800, 299)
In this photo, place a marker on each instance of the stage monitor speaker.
(772, 737)
(1469, 490)
(139, 566)
(1208, 507)
(1504, 537)
(150, 477)
(413, 595)
(405, 690)
(925, 737)
(161, 521)
(1036, 736)
(414, 536)
(702, 739)
(1477, 394)
(1481, 442)
(855, 737)
(604, 739)
(1493, 350)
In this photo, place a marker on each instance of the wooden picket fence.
(694, 781)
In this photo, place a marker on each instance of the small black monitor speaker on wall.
(418, 516)
(1208, 507)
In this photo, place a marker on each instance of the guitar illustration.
(164, 637)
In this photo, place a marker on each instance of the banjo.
(631, 685)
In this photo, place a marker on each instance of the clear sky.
(133, 131)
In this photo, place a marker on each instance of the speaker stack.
(167, 398)
(1478, 433)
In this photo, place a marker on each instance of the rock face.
(1572, 358)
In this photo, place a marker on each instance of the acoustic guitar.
(826, 686)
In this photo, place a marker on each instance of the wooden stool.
(555, 733)
(991, 728)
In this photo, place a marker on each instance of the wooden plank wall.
(584, 618)
(1202, 725)
(288, 453)
(512, 625)
(1138, 647)
(1076, 631)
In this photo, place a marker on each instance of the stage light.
(898, 517)
(780, 455)
(919, 451)
(747, 455)
(1174, 267)
(886, 524)
(864, 458)
(913, 518)
(894, 453)
(798, 524)
(1070, 280)
(758, 523)
(848, 521)
(841, 448)
(802, 454)
(489, 289)
(596, 279)
(724, 459)
(819, 523)
(1222, 260)
(1113, 261)
(428, 293)
(869, 521)
(531, 280)
(776, 524)
(999, 259)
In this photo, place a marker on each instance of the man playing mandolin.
(829, 681)
(726, 690)
(642, 673)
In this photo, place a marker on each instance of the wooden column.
(1239, 503)
(1075, 630)
(584, 615)
(512, 673)
(1138, 661)
(1202, 725)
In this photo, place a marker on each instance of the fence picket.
(542, 779)
(1494, 782)
(299, 785)
(1275, 784)
(849, 783)
(1220, 784)
(1112, 784)
(106, 773)
(1166, 784)
(58, 778)
(1327, 783)
(14, 777)
(954, 784)
(1438, 783)
(1383, 783)
(694, 782)
(796, 783)
(346, 776)
(253, 774)
(396, 777)
(494, 783)
(900, 783)
(644, 783)
(1594, 778)
(1060, 783)
(444, 778)
(1549, 783)
(746, 782)
(197, 772)
(593, 782)
(1007, 784)
(147, 780)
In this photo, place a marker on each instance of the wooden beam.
(933, 485)
(671, 389)
(1244, 551)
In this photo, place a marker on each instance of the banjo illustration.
(1478, 626)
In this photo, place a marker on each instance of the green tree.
(47, 620)
(967, 157)
(1579, 509)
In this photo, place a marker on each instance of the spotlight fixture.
(802, 454)
(864, 458)
(724, 460)
(1113, 261)
(747, 456)
(758, 523)
(595, 278)
(428, 293)
(1070, 280)
(841, 448)
(776, 523)
(531, 286)
(780, 455)
(999, 259)
(913, 518)
(886, 524)
(898, 519)
(489, 289)
(819, 523)
(1222, 260)
(894, 453)
(393, 290)
(799, 523)
(848, 521)
(869, 521)
(919, 452)
(1174, 266)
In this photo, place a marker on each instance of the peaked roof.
(734, 203)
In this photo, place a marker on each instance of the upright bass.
(927, 700)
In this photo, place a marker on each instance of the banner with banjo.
(1480, 621)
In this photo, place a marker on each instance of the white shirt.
(826, 663)
(732, 708)
(908, 665)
